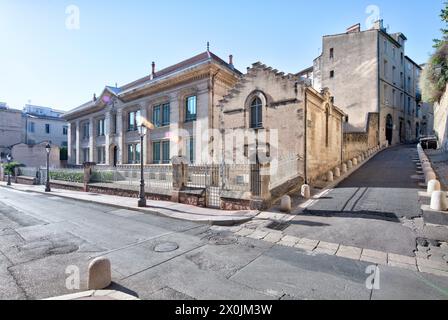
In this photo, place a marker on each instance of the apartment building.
(369, 72)
(181, 103)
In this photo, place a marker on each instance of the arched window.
(256, 113)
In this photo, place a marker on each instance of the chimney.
(94, 97)
(378, 25)
(153, 69)
(231, 60)
(354, 29)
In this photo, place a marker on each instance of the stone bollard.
(337, 172)
(344, 168)
(355, 162)
(330, 177)
(349, 164)
(427, 169)
(360, 159)
(438, 201)
(285, 204)
(100, 275)
(306, 191)
(433, 185)
(426, 165)
(430, 175)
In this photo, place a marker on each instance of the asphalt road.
(42, 235)
(377, 207)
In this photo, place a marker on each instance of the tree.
(444, 17)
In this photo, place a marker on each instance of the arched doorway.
(389, 128)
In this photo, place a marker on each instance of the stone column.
(120, 132)
(108, 129)
(180, 174)
(78, 143)
(92, 134)
(69, 144)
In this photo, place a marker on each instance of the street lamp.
(9, 158)
(142, 131)
(47, 184)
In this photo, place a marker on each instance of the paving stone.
(327, 248)
(258, 234)
(425, 263)
(306, 247)
(289, 241)
(402, 265)
(397, 258)
(374, 256)
(244, 232)
(349, 252)
(273, 237)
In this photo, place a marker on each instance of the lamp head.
(48, 148)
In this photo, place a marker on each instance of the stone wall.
(441, 121)
(356, 143)
(35, 156)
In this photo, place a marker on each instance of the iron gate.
(208, 178)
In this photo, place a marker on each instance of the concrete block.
(433, 185)
(349, 164)
(100, 274)
(306, 191)
(430, 175)
(438, 201)
(349, 252)
(330, 177)
(337, 172)
(355, 161)
(344, 168)
(285, 204)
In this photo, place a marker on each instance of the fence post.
(87, 174)
(180, 174)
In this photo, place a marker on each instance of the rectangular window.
(65, 130)
(31, 127)
(166, 115)
(86, 155)
(331, 53)
(191, 108)
(132, 120)
(332, 74)
(101, 155)
(156, 116)
(114, 123)
(100, 127)
(85, 131)
(191, 149)
(130, 153)
(156, 152)
(166, 151)
(138, 152)
(385, 71)
(393, 74)
(47, 128)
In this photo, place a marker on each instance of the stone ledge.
(434, 217)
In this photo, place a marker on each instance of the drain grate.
(279, 226)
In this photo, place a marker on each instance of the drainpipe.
(305, 157)
(213, 106)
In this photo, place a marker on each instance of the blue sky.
(43, 61)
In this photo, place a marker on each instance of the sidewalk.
(163, 208)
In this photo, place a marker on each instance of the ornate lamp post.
(142, 131)
(47, 184)
(9, 158)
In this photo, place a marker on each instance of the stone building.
(180, 102)
(274, 119)
(368, 72)
(11, 130)
(43, 124)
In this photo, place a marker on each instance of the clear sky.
(46, 58)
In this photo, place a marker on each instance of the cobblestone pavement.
(374, 215)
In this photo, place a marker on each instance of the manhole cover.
(166, 247)
(220, 240)
(279, 226)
